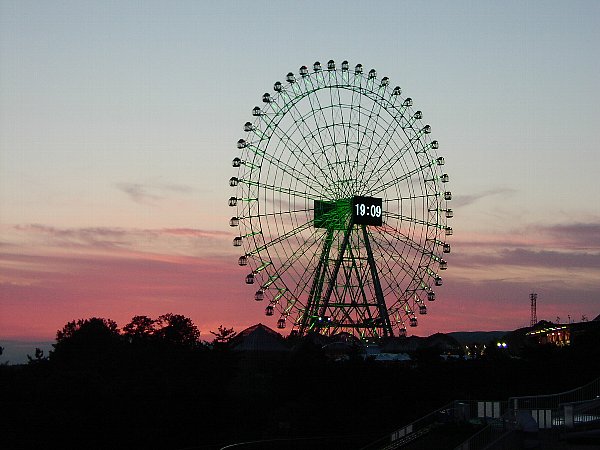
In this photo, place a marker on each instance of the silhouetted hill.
(471, 337)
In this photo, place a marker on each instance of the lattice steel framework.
(533, 318)
(329, 135)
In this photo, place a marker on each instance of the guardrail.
(407, 433)
(502, 418)
(553, 401)
(577, 406)
(580, 415)
(498, 434)
(458, 411)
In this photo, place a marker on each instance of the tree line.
(155, 384)
(85, 339)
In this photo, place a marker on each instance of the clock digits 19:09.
(367, 211)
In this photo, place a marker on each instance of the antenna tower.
(533, 298)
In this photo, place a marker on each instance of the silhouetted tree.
(86, 339)
(96, 327)
(223, 335)
(140, 327)
(177, 329)
(38, 358)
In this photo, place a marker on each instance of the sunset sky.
(118, 124)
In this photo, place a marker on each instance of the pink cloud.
(49, 276)
(55, 275)
(47, 291)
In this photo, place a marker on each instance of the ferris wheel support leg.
(336, 270)
(383, 313)
(312, 304)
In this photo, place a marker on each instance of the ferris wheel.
(341, 204)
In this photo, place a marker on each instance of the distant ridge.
(481, 337)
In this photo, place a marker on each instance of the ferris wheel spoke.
(413, 142)
(318, 108)
(253, 148)
(341, 107)
(412, 291)
(379, 172)
(414, 220)
(337, 108)
(405, 176)
(296, 149)
(299, 125)
(371, 133)
(285, 138)
(367, 130)
(378, 169)
(301, 174)
(387, 258)
(373, 149)
(279, 239)
(313, 114)
(279, 189)
(299, 253)
(425, 249)
(275, 214)
(352, 137)
(416, 278)
(357, 112)
(397, 119)
(355, 117)
(290, 293)
(410, 198)
(292, 172)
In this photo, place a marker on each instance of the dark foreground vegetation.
(154, 385)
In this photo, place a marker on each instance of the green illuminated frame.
(324, 140)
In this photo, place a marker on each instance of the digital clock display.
(367, 211)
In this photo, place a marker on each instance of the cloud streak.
(460, 201)
(524, 257)
(185, 241)
(577, 238)
(138, 192)
(576, 235)
(151, 192)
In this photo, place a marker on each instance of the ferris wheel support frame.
(313, 304)
(317, 285)
(383, 313)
